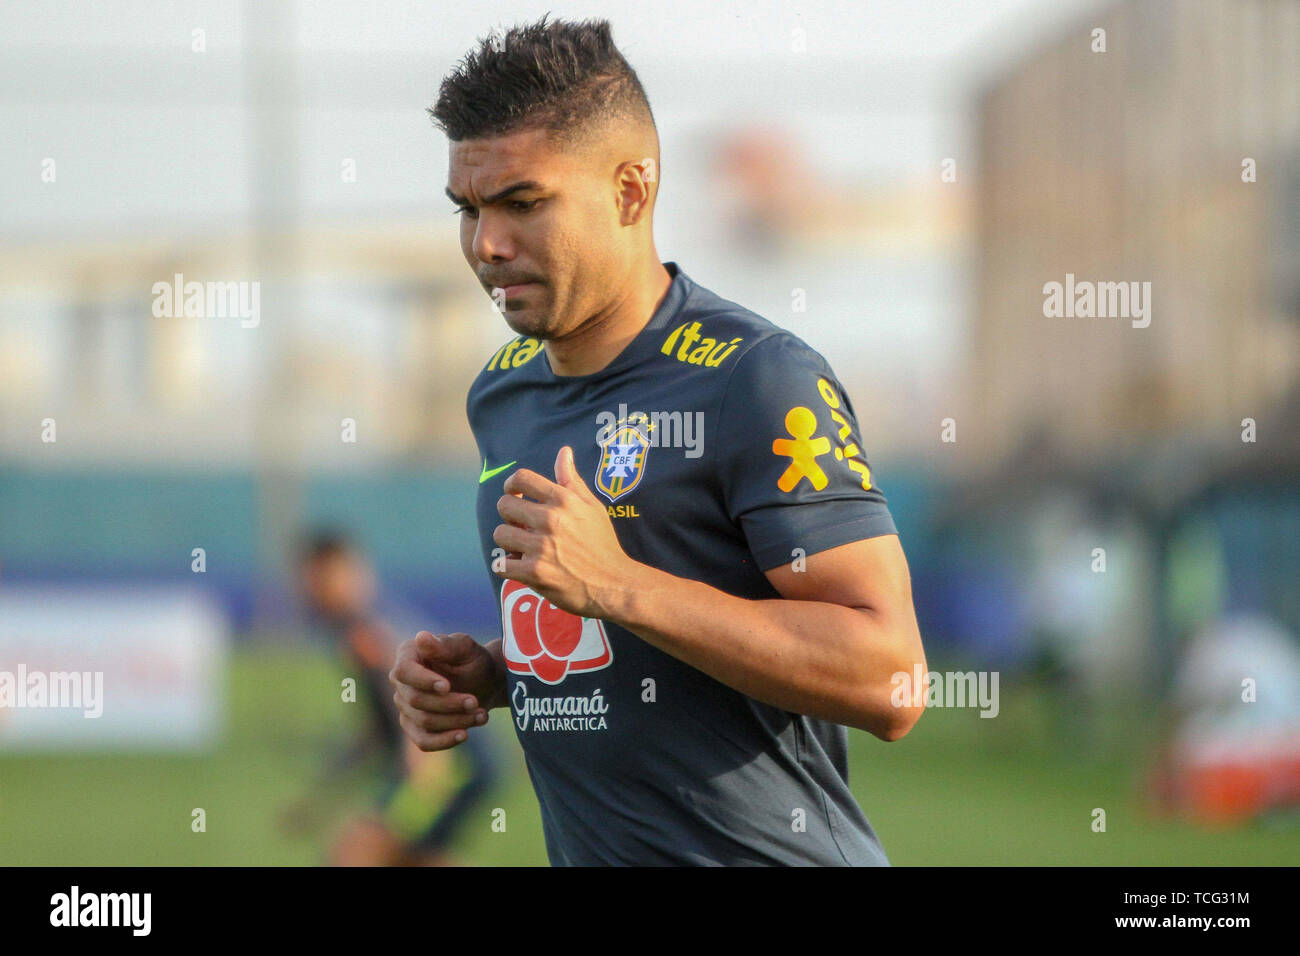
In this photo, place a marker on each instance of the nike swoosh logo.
(495, 471)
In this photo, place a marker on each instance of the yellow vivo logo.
(805, 446)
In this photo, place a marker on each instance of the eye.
(465, 210)
(523, 205)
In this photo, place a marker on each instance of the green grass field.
(958, 790)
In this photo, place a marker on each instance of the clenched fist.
(445, 684)
(562, 543)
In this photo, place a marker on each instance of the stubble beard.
(534, 321)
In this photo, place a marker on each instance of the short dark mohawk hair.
(565, 77)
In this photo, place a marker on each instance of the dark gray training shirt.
(722, 446)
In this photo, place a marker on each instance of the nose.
(491, 239)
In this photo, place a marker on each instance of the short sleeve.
(793, 469)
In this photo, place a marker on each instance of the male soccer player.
(699, 581)
(423, 806)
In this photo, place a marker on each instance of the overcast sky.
(148, 134)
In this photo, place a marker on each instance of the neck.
(600, 340)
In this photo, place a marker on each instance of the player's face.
(550, 245)
(340, 585)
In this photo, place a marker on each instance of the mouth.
(511, 291)
(493, 286)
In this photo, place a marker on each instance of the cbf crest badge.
(622, 461)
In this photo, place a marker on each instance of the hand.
(445, 684)
(562, 544)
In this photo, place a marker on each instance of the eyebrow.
(495, 197)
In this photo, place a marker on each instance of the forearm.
(499, 697)
(807, 657)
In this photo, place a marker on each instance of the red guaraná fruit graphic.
(558, 630)
(544, 634)
(523, 622)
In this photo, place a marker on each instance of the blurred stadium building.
(1128, 165)
(1131, 165)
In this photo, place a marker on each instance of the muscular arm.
(844, 626)
(828, 648)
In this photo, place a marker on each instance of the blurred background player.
(423, 802)
(1231, 751)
